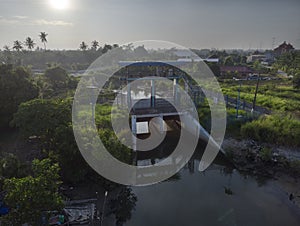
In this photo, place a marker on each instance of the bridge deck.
(161, 106)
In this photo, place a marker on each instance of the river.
(219, 196)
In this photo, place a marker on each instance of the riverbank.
(282, 164)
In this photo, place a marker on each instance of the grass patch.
(277, 129)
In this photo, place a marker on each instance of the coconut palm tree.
(18, 45)
(83, 46)
(95, 44)
(29, 43)
(43, 37)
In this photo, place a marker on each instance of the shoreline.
(280, 164)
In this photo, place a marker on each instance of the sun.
(60, 4)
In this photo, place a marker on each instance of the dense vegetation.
(46, 122)
(16, 87)
(38, 108)
(31, 196)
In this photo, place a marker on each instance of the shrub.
(266, 154)
(278, 129)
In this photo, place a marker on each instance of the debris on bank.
(76, 212)
(282, 164)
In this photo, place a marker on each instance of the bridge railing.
(197, 93)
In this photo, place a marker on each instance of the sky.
(220, 24)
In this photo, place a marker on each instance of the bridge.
(151, 99)
(147, 102)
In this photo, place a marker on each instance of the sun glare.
(60, 4)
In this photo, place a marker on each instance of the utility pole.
(256, 89)
(238, 99)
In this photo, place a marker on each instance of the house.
(283, 48)
(239, 70)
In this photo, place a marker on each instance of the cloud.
(20, 17)
(23, 20)
(12, 20)
(8, 21)
(52, 22)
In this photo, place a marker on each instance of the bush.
(266, 154)
(278, 129)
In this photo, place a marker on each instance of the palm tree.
(83, 46)
(29, 43)
(95, 45)
(18, 45)
(43, 37)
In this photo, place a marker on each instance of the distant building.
(239, 70)
(184, 53)
(253, 58)
(283, 48)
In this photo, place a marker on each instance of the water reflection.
(218, 196)
(123, 205)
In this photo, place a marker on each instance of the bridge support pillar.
(152, 93)
(134, 131)
(129, 96)
(175, 91)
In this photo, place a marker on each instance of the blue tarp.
(3, 211)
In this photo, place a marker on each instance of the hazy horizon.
(200, 24)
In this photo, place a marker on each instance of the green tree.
(9, 166)
(106, 48)
(57, 77)
(29, 43)
(83, 46)
(7, 54)
(45, 88)
(73, 166)
(215, 68)
(296, 80)
(30, 196)
(43, 37)
(95, 45)
(288, 62)
(50, 120)
(257, 65)
(228, 61)
(18, 45)
(42, 117)
(16, 87)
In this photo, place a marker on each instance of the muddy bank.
(267, 161)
